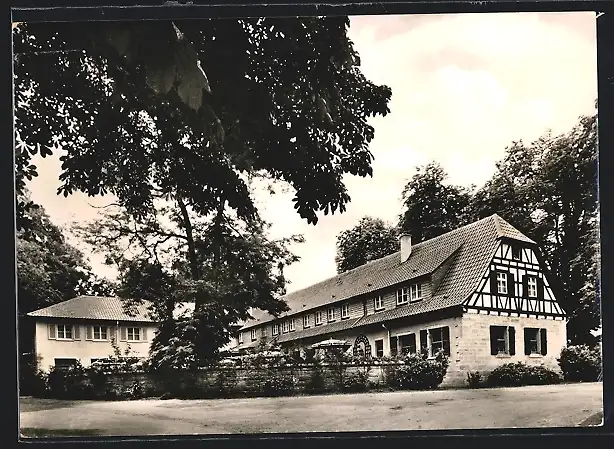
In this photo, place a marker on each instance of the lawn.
(536, 406)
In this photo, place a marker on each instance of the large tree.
(431, 206)
(548, 189)
(184, 112)
(370, 239)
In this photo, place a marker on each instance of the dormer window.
(253, 334)
(306, 322)
(378, 303)
(291, 324)
(240, 337)
(275, 329)
(331, 314)
(318, 317)
(345, 311)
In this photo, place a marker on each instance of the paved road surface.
(536, 406)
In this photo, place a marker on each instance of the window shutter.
(527, 350)
(493, 282)
(446, 340)
(493, 341)
(510, 284)
(52, 332)
(423, 341)
(544, 341)
(540, 289)
(122, 334)
(76, 332)
(525, 286)
(512, 339)
(89, 330)
(144, 333)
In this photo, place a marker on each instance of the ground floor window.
(535, 341)
(407, 344)
(379, 348)
(434, 340)
(65, 363)
(502, 340)
(393, 346)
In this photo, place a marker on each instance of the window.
(535, 341)
(284, 327)
(134, 334)
(407, 344)
(331, 314)
(379, 348)
(393, 346)
(318, 318)
(263, 332)
(378, 303)
(402, 295)
(64, 332)
(64, 363)
(240, 337)
(306, 322)
(292, 322)
(100, 333)
(345, 311)
(275, 329)
(516, 252)
(434, 340)
(253, 334)
(532, 286)
(415, 292)
(502, 340)
(502, 283)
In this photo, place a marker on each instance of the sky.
(464, 87)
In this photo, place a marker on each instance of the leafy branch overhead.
(146, 110)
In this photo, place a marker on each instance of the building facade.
(480, 293)
(83, 328)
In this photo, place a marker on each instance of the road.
(535, 406)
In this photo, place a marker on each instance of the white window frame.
(240, 338)
(134, 340)
(506, 339)
(65, 328)
(532, 285)
(345, 311)
(415, 293)
(284, 327)
(330, 314)
(375, 347)
(100, 329)
(402, 296)
(253, 335)
(378, 303)
(430, 340)
(319, 318)
(275, 329)
(292, 325)
(502, 283)
(306, 322)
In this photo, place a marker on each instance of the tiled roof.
(469, 250)
(337, 326)
(95, 308)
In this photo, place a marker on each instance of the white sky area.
(464, 87)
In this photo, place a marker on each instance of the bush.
(316, 384)
(519, 374)
(69, 383)
(417, 372)
(474, 379)
(580, 363)
(278, 384)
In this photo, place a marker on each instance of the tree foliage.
(431, 206)
(370, 239)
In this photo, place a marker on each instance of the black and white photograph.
(281, 225)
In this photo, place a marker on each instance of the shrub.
(418, 372)
(580, 363)
(69, 383)
(316, 383)
(519, 374)
(356, 382)
(474, 379)
(278, 384)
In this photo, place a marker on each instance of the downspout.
(387, 330)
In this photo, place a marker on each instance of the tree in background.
(370, 239)
(174, 118)
(547, 189)
(432, 207)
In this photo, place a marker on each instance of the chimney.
(405, 246)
